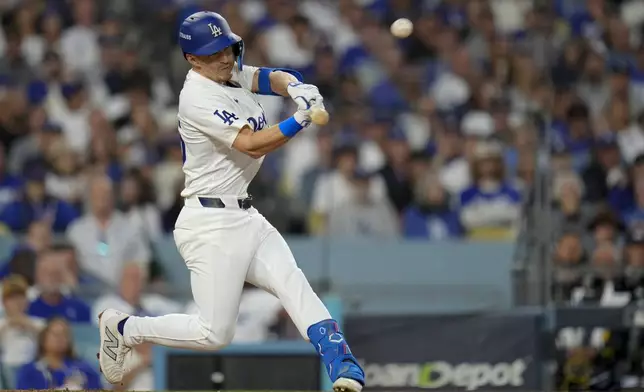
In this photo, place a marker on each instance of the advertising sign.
(459, 352)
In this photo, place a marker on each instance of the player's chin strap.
(334, 351)
(264, 81)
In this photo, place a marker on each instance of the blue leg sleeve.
(329, 342)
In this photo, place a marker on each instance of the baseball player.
(222, 238)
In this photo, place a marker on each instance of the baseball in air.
(402, 28)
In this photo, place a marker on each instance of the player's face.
(218, 66)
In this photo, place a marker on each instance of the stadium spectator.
(21, 262)
(635, 216)
(76, 278)
(18, 331)
(362, 215)
(490, 208)
(10, 185)
(605, 226)
(56, 365)
(570, 212)
(605, 170)
(37, 204)
(324, 147)
(431, 217)
(131, 299)
(569, 256)
(335, 188)
(137, 205)
(72, 113)
(104, 237)
(33, 148)
(103, 154)
(65, 181)
(395, 171)
(168, 173)
(450, 159)
(54, 298)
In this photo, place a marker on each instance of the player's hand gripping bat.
(319, 116)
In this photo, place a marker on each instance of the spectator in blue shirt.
(35, 204)
(53, 279)
(57, 366)
(431, 217)
(491, 207)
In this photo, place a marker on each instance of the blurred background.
(473, 213)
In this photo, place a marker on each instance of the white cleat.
(346, 385)
(112, 351)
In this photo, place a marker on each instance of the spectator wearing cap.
(395, 172)
(362, 215)
(54, 298)
(334, 189)
(104, 238)
(605, 170)
(36, 204)
(72, 113)
(431, 216)
(10, 185)
(18, 331)
(491, 207)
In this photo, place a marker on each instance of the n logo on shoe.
(110, 344)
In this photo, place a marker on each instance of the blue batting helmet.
(204, 33)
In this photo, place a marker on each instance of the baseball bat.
(319, 116)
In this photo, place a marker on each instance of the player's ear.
(193, 60)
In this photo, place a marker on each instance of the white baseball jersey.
(210, 117)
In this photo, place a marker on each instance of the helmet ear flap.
(238, 51)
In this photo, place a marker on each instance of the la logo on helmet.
(215, 30)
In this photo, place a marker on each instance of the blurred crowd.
(435, 137)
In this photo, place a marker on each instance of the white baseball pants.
(222, 248)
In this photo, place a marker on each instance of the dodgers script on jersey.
(210, 117)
